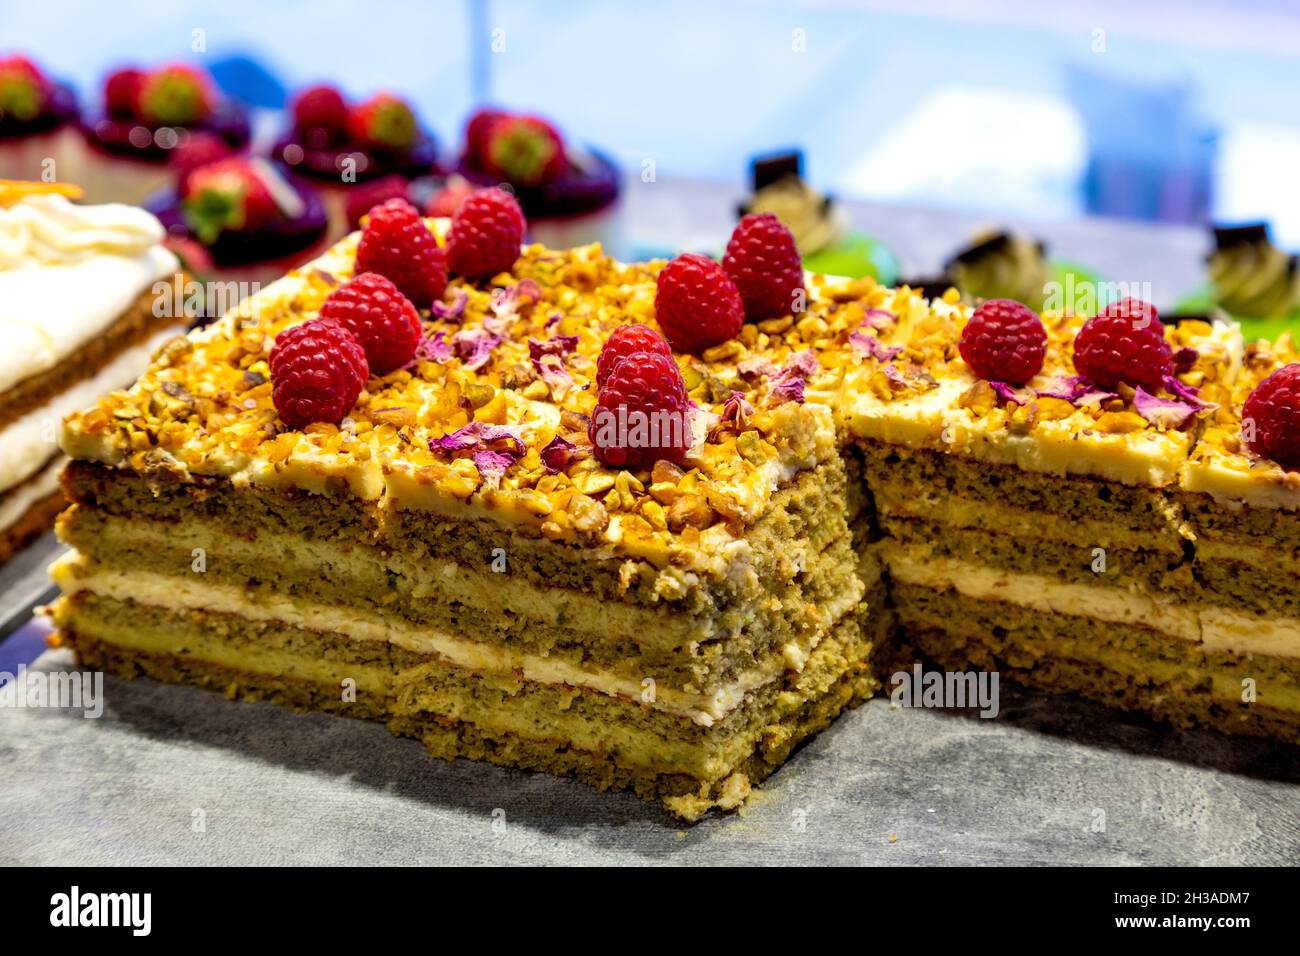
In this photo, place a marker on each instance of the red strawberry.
(175, 95)
(697, 305)
(122, 92)
(523, 150)
(23, 89)
(476, 133)
(226, 196)
(383, 122)
(485, 235)
(320, 108)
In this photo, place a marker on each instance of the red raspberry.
(444, 203)
(364, 197)
(383, 320)
(642, 414)
(764, 262)
(1271, 417)
(486, 233)
(625, 340)
(317, 371)
(397, 244)
(1004, 341)
(1125, 343)
(122, 92)
(320, 107)
(697, 304)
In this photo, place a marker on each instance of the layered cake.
(653, 525)
(343, 147)
(1042, 528)
(448, 550)
(77, 317)
(143, 115)
(37, 117)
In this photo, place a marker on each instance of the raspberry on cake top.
(917, 389)
(1247, 452)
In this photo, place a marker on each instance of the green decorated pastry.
(1003, 265)
(819, 226)
(1252, 280)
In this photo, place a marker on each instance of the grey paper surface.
(177, 775)
(25, 583)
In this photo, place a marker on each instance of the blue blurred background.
(1166, 110)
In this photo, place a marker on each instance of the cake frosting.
(66, 272)
(28, 442)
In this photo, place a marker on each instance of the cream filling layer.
(28, 443)
(894, 499)
(45, 483)
(73, 573)
(1223, 629)
(440, 580)
(1215, 628)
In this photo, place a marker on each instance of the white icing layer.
(1223, 477)
(27, 443)
(66, 273)
(15, 505)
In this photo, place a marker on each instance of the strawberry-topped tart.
(35, 115)
(569, 194)
(238, 218)
(344, 146)
(143, 116)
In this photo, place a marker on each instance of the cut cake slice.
(676, 631)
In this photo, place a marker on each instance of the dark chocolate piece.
(776, 166)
